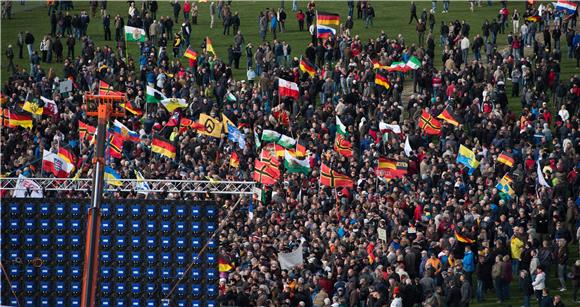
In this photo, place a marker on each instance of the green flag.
(340, 127)
(154, 96)
(134, 34)
(270, 136)
(294, 165)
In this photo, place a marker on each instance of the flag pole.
(337, 205)
(126, 48)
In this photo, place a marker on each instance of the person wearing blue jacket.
(273, 24)
(468, 263)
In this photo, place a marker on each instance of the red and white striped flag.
(288, 89)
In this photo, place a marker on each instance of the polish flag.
(56, 164)
(288, 89)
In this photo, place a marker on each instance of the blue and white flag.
(142, 186)
(236, 136)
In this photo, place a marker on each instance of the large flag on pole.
(567, 6)
(340, 127)
(153, 96)
(172, 104)
(331, 178)
(163, 147)
(212, 126)
(429, 125)
(294, 165)
(466, 157)
(324, 18)
(324, 31)
(448, 116)
(288, 89)
(209, 46)
(56, 164)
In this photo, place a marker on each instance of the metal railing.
(127, 185)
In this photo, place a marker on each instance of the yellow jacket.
(517, 246)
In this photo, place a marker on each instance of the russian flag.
(568, 6)
(324, 31)
(124, 132)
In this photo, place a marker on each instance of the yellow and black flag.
(212, 126)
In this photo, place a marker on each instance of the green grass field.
(392, 17)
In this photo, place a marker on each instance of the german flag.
(463, 239)
(430, 125)
(264, 173)
(342, 146)
(209, 46)
(67, 155)
(86, 131)
(370, 252)
(324, 18)
(116, 146)
(331, 178)
(14, 119)
(307, 67)
(129, 106)
(506, 158)
(107, 90)
(224, 265)
(382, 80)
(163, 147)
(234, 160)
(190, 54)
(448, 116)
(385, 163)
(388, 168)
(534, 18)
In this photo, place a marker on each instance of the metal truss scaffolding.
(127, 185)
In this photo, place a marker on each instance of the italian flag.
(397, 66)
(340, 127)
(294, 165)
(134, 34)
(154, 96)
(413, 63)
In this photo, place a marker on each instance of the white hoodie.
(540, 282)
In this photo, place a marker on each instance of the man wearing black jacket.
(413, 13)
(453, 295)
(477, 44)
(29, 41)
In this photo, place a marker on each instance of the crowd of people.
(451, 238)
